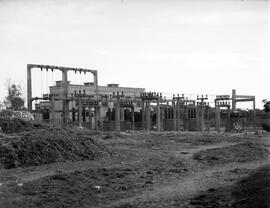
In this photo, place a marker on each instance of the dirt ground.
(173, 169)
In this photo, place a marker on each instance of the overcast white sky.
(175, 46)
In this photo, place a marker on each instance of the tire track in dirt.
(191, 185)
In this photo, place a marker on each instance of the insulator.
(79, 91)
(83, 91)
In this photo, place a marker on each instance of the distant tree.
(14, 98)
(1, 105)
(266, 105)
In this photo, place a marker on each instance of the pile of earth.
(253, 190)
(250, 192)
(242, 152)
(17, 125)
(47, 146)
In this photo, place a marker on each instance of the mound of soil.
(16, 125)
(253, 190)
(266, 127)
(47, 146)
(242, 152)
(213, 198)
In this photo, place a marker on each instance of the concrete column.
(96, 127)
(96, 82)
(161, 118)
(197, 117)
(174, 117)
(53, 109)
(29, 88)
(217, 119)
(202, 118)
(117, 115)
(148, 116)
(133, 118)
(80, 111)
(89, 116)
(178, 116)
(158, 115)
(122, 114)
(143, 115)
(186, 118)
(208, 119)
(65, 91)
(228, 118)
(233, 100)
(254, 114)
